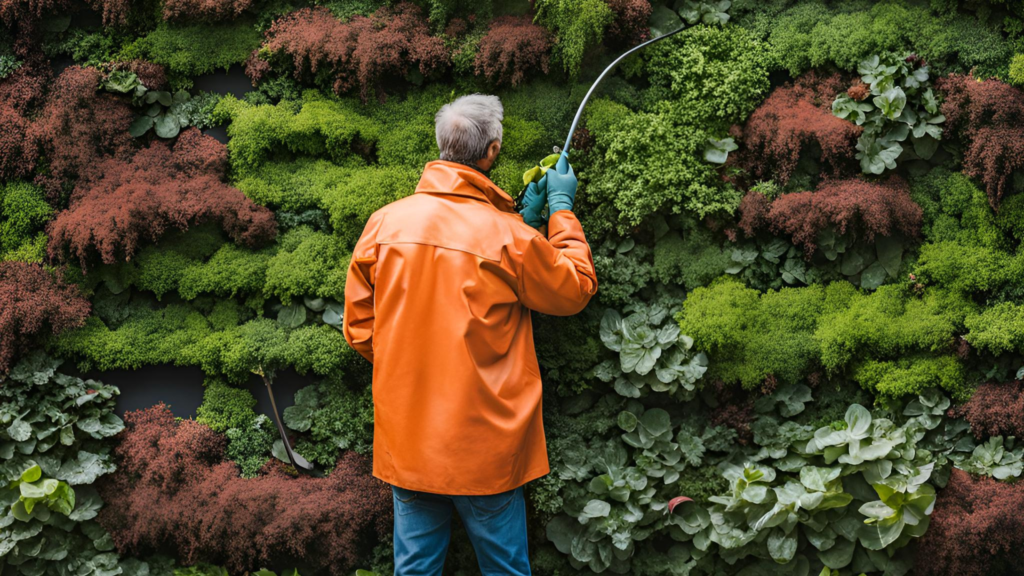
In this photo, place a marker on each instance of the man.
(438, 298)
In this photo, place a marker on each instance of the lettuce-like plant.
(902, 105)
(653, 353)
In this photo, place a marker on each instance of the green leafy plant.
(902, 105)
(654, 355)
(665, 19)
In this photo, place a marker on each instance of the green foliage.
(890, 323)
(335, 417)
(194, 49)
(691, 257)
(771, 263)
(225, 407)
(954, 209)
(23, 214)
(221, 343)
(815, 34)
(316, 126)
(997, 329)
(54, 443)
(902, 106)
(567, 348)
(365, 191)
(624, 270)
(1016, 75)
(309, 263)
(648, 162)
(249, 445)
(712, 75)
(750, 337)
(910, 375)
(579, 26)
(653, 355)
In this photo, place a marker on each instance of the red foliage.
(140, 199)
(793, 118)
(77, 127)
(256, 68)
(513, 47)
(15, 160)
(754, 213)
(30, 300)
(629, 27)
(456, 27)
(14, 11)
(204, 9)
(115, 12)
(362, 52)
(988, 117)
(976, 529)
(152, 75)
(852, 205)
(995, 410)
(176, 495)
(26, 86)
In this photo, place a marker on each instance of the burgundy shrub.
(992, 156)
(204, 9)
(456, 27)
(115, 12)
(152, 75)
(14, 11)
(988, 117)
(256, 68)
(362, 52)
(15, 160)
(854, 205)
(32, 300)
(976, 529)
(793, 118)
(77, 127)
(140, 199)
(176, 495)
(754, 213)
(995, 410)
(512, 48)
(25, 88)
(629, 27)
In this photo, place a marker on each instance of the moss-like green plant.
(814, 34)
(913, 375)
(579, 26)
(23, 213)
(713, 75)
(317, 126)
(309, 263)
(194, 49)
(225, 406)
(997, 329)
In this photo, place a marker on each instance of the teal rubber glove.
(533, 204)
(561, 186)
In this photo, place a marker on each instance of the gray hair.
(467, 126)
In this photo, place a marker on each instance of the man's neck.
(477, 168)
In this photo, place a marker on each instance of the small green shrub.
(194, 49)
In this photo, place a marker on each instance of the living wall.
(805, 356)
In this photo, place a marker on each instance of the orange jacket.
(437, 298)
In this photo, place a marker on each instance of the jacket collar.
(444, 177)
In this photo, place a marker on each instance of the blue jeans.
(496, 525)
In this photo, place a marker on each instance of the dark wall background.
(181, 388)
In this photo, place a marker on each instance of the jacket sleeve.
(557, 275)
(357, 321)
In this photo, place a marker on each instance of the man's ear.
(492, 150)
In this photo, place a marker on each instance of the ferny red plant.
(630, 26)
(177, 495)
(988, 117)
(976, 529)
(995, 410)
(32, 300)
(204, 9)
(865, 208)
(797, 120)
(128, 201)
(362, 52)
(513, 47)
